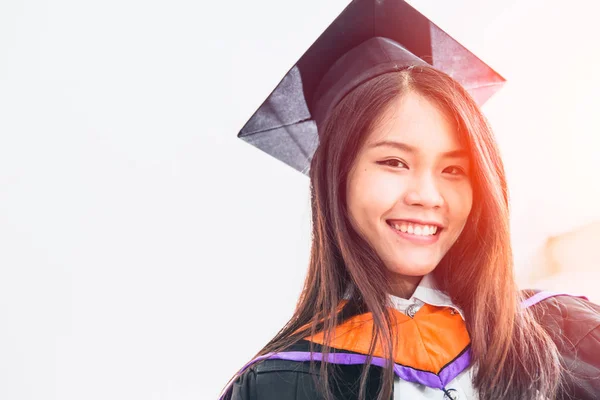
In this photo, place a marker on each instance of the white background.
(145, 251)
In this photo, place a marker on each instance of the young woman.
(410, 292)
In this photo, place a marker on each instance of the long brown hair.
(514, 358)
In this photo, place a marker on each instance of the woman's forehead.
(418, 124)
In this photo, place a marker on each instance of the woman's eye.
(455, 170)
(394, 163)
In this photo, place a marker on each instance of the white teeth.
(415, 229)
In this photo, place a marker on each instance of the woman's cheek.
(384, 190)
(459, 199)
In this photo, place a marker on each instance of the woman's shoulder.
(570, 316)
(573, 323)
(293, 377)
(274, 380)
(271, 379)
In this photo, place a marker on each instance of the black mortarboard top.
(369, 38)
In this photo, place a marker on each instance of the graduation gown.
(572, 322)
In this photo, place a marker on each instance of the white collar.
(426, 292)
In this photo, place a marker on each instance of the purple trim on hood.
(447, 374)
(541, 296)
(406, 373)
(458, 365)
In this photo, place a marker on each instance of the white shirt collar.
(426, 292)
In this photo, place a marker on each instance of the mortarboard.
(368, 38)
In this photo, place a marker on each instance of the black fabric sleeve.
(587, 361)
(574, 326)
(244, 388)
(580, 346)
(290, 380)
(273, 380)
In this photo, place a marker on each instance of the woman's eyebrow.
(458, 153)
(397, 145)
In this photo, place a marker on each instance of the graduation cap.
(369, 38)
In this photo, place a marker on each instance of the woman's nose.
(423, 191)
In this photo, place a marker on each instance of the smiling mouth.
(415, 229)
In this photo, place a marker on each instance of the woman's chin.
(415, 268)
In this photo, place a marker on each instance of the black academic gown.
(572, 322)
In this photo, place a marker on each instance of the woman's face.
(409, 192)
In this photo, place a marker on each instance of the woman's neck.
(404, 286)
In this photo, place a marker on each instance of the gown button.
(451, 394)
(411, 310)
